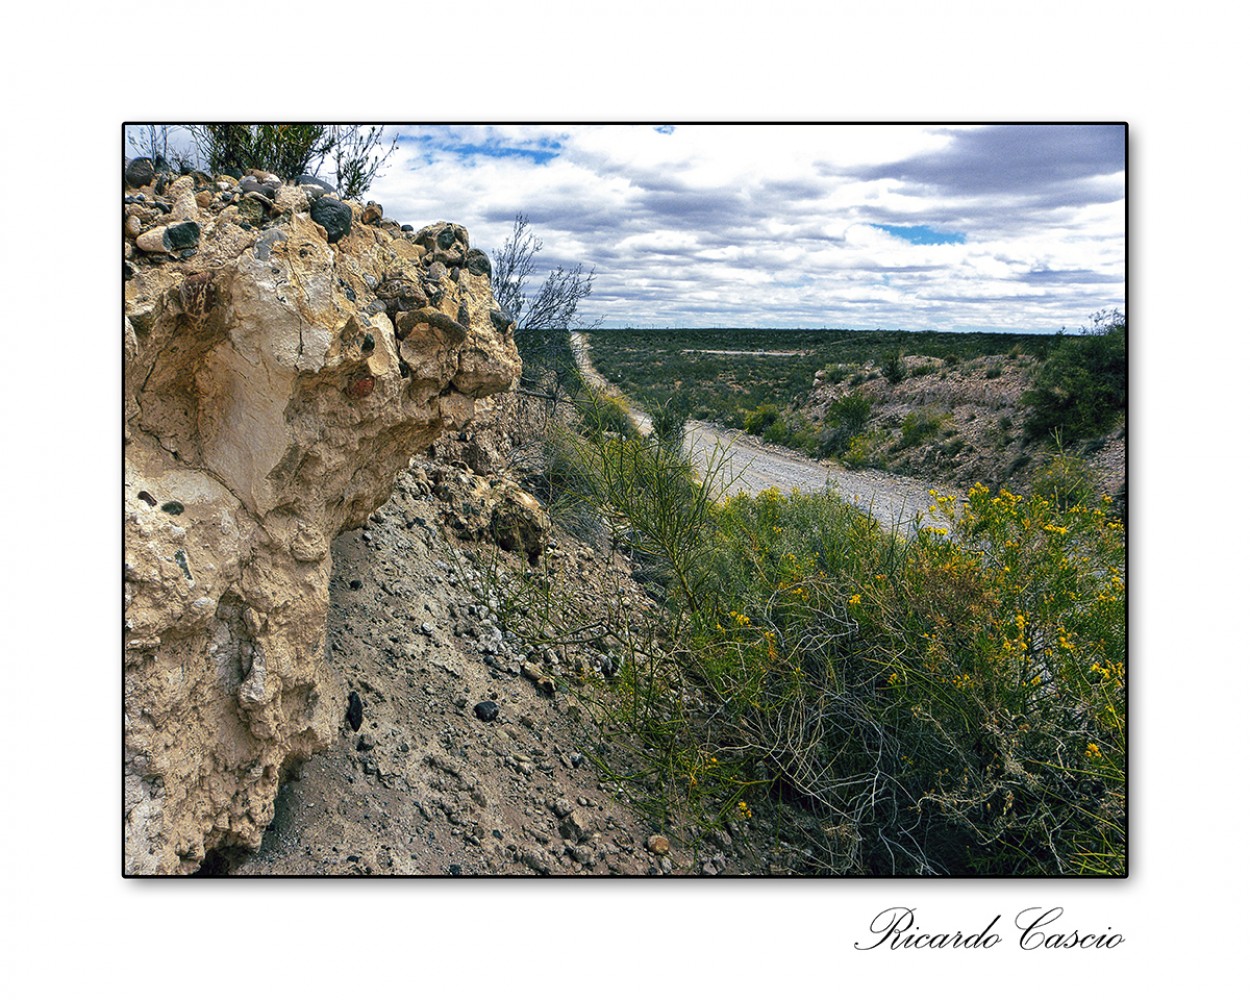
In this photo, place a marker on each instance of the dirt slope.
(426, 786)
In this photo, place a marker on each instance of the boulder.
(266, 410)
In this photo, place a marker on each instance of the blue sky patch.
(666, 129)
(921, 235)
(541, 151)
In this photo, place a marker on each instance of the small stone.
(153, 241)
(252, 210)
(657, 843)
(477, 262)
(139, 172)
(536, 861)
(173, 507)
(355, 711)
(575, 826)
(501, 320)
(365, 744)
(182, 236)
(250, 185)
(333, 216)
(487, 711)
(317, 185)
(427, 628)
(372, 214)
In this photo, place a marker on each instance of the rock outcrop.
(277, 378)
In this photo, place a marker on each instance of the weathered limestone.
(269, 405)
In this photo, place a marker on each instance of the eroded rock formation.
(275, 383)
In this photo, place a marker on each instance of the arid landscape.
(419, 582)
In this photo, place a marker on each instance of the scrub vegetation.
(949, 700)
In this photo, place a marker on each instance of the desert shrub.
(1065, 479)
(949, 701)
(920, 425)
(563, 484)
(791, 430)
(356, 153)
(893, 367)
(953, 445)
(652, 489)
(547, 362)
(1081, 389)
(758, 420)
(952, 704)
(554, 305)
(602, 414)
(862, 449)
(994, 371)
(845, 418)
(668, 421)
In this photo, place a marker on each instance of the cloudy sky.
(928, 227)
(1017, 228)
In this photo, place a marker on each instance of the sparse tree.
(554, 305)
(151, 141)
(542, 319)
(358, 154)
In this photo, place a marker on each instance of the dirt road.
(743, 463)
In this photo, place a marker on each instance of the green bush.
(758, 420)
(547, 362)
(949, 702)
(1065, 479)
(653, 490)
(893, 367)
(1081, 389)
(953, 704)
(862, 448)
(603, 414)
(845, 418)
(289, 150)
(668, 421)
(921, 424)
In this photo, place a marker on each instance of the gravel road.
(747, 464)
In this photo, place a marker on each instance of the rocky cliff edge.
(285, 354)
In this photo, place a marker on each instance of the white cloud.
(727, 215)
